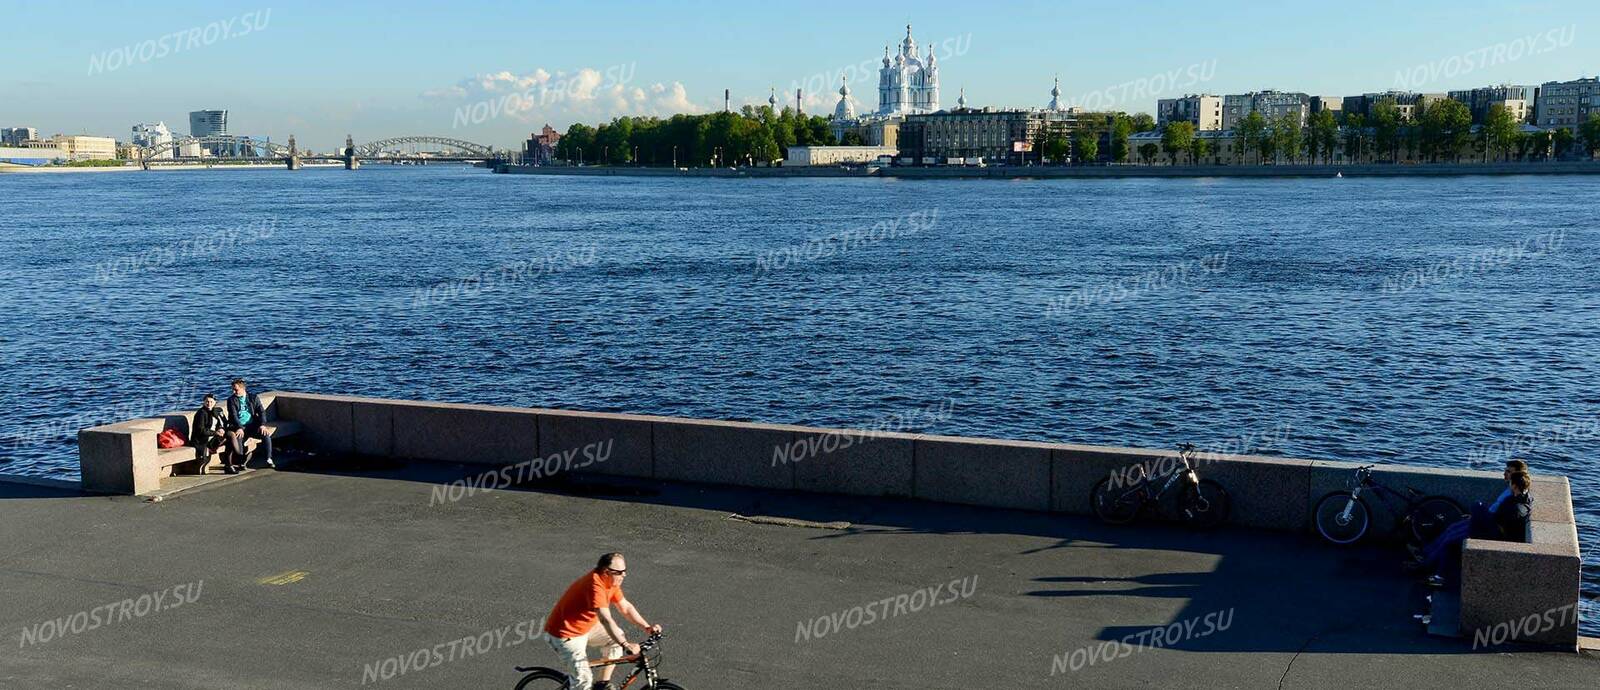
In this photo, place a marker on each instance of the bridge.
(248, 149)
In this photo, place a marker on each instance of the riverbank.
(135, 168)
(1097, 171)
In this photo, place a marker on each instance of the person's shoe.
(271, 465)
(229, 469)
(601, 685)
(1436, 581)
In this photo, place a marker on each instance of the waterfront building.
(968, 135)
(1567, 103)
(14, 136)
(540, 149)
(803, 156)
(1405, 102)
(1517, 99)
(33, 154)
(1271, 104)
(1321, 103)
(86, 148)
(148, 135)
(1204, 111)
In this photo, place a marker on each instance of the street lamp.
(674, 157)
(580, 156)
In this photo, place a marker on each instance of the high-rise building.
(147, 135)
(1567, 103)
(1204, 111)
(205, 123)
(14, 136)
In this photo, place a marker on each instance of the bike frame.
(1368, 483)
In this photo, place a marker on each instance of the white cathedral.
(908, 84)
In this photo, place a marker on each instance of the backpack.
(171, 438)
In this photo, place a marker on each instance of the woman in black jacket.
(209, 433)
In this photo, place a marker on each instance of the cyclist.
(582, 619)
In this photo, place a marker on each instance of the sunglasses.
(614, 571)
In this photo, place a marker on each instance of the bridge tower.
(350, 161)
(294, 155)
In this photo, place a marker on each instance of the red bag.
(171, 438)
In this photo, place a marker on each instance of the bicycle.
(1199, 502)
(1342, 517)
(645, 662)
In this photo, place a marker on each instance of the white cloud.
(587, 94)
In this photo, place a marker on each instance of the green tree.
(1500, 131)
(1324, 135)
(577, 144)
(1355, 136)
(1148, 152)
(1446, 129)
(1539, 145)
(1561, 142)
(853, 138)
(1199, 148)
(1386, 128)
(1177, 138)
(1121, 128)
(1249, 134)
(1088, 145)
(1142, 122)
(1287, 135)
(1589, 132)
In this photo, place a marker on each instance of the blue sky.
(321, 69)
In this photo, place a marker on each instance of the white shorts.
(574, 653)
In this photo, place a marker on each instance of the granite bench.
(124, 458)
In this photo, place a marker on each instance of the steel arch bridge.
(266, 149)
(375, 149)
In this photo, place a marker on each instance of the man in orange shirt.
(572, 627)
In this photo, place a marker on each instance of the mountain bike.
(1343, 517)
(1119, 498)
(645, 662)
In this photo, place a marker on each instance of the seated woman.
(209, 432)
(1505, 520)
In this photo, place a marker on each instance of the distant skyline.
(494, 72)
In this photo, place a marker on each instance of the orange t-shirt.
(577, 611)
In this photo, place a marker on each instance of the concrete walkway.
(313, 580)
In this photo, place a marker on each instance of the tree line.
(753, 135)
(1438, 132)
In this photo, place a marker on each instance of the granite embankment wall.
(1502, 582)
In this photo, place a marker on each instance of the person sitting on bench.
(210, 433)
(1504, 520)
(245, 418)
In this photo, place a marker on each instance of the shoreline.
(1091, 172)
(19, 169)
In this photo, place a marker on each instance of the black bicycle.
(645, 663)
(1343, 517)
(1122, 496)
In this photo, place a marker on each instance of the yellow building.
(85, 148)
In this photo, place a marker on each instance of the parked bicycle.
(1180, 494)
(645, 663)
(1343, 517)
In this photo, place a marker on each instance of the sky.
(493, 72)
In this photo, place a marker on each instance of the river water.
(1442, 322)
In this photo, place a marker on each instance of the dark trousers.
(237, 450)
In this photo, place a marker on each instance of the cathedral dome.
(844, 110)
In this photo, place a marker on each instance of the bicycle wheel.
(1342, 518)
(1432, 516)
(544, 679)
(1114, 505)
(1204, 505)
(666, 685)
